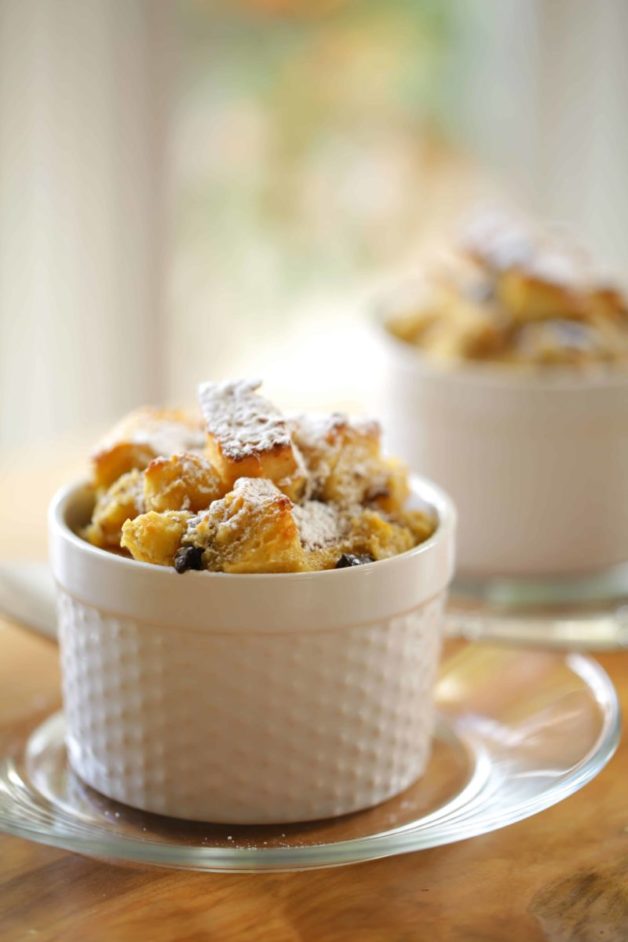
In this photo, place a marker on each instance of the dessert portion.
(512, 294)
(248, 490)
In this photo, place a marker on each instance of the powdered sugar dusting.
(315, 430)
(319, 524)
(498, 240)
(256, 493)
(339, 447)
(167, 438)
(503, 242)
(258, 490)
(242, 422)
(164, 431)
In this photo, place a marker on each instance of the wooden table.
(560, 876)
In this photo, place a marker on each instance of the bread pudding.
(513, 295)
(245, 489)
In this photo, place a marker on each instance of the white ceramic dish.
(537, 465)
(248, 698)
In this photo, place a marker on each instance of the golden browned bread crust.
(251, 529)
(122, 501)
(141, 436)
(185, 481)
(155, 537)
(248, 437)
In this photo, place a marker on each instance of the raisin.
(350, 559)
(188, 557)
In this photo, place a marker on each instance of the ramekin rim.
(438, 499)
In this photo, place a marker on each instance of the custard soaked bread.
(248, 437)
(155, 537)
(185, 481)
(118, 503)
(252, 529)
(258, 492)
(345, 464)
(141, 436)
(512, 294)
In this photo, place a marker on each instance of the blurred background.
(191, 190)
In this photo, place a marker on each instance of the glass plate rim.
(586, 612)
(360, 849)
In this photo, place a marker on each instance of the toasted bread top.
(242, 423)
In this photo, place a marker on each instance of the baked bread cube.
(468, 328)
(249, 438)
(420, 524)
(141, 436)
(536, 277)
(122, 501)
(498, 242)
(344, 462)
(185, 481)
(459, 317)
(373, 535)
(390, 487)
(414, 308)
(529, 295)
(340, 455)
(608, 303)
(155, 537)
(322, 529)
(413, 326)
(251, 529)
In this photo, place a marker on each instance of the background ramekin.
(537, 465)
(248, 698)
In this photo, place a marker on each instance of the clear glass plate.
(589, 612)
(517, 732)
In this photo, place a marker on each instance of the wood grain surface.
(561, 876)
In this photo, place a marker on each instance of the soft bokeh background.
(198, 189)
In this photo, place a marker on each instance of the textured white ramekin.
(537, 465)
(248, 698)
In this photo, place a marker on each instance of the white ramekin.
(537, 465)
(248, 698)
